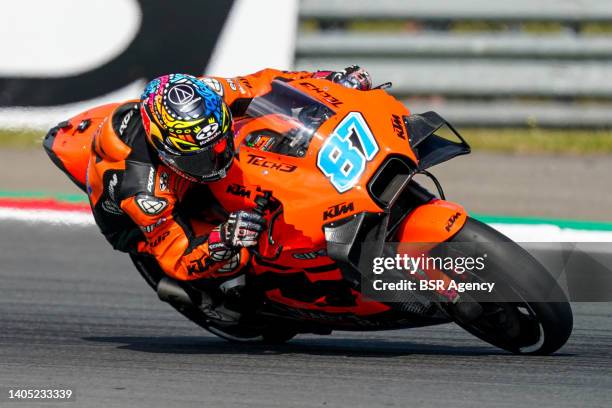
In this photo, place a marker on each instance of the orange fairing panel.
(436, 221)
(70, 145)
(307, 190)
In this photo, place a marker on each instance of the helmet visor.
(209, 164)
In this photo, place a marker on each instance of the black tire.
(543, 327)
(148, 269)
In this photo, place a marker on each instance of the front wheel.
(522, 327)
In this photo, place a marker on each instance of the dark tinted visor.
(205, 165)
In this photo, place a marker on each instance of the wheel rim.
(500, 319)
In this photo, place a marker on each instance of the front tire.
(524, 327)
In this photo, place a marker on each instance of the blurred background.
(523, 63)
(528, 82)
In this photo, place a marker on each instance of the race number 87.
(339, 159)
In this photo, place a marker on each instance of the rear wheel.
(235, 333)
(525, 326)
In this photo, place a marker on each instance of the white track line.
(550, 233)
(56, 217)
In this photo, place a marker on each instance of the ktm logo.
(200, 265)
(451, 221)
(337, 210)
(398, 128)
(238, 190)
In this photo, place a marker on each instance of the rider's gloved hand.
(242, 229)
(352, 77)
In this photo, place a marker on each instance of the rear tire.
(148, 269)
(524, 327)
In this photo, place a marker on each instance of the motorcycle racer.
(165, 187)
(147, 180)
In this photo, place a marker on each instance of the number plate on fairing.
(345, 153)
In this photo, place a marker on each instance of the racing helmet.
(189, 125)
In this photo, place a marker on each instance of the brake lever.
(386, 85)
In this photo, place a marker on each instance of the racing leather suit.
(142, 206)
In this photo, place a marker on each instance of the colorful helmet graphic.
(189, 125)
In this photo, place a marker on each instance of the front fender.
(436, 221)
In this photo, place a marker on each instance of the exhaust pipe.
(168, 290)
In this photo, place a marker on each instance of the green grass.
(498, 140)
(461, 26)
(20, 139)
(555, 141)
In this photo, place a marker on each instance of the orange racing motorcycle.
(333, 171)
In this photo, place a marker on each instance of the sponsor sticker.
(126, 121)
(181, 94)
(151, 180)
(207, 133)
(151, 227)
(214, 85)
(109, 205)
(163, 181)
(231, 84)
(151, 205)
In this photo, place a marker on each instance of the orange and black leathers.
(141, 205)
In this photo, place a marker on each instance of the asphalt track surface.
(75, 314)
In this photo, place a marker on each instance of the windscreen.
(289, 120)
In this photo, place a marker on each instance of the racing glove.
(241, 230)
(351, 77)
